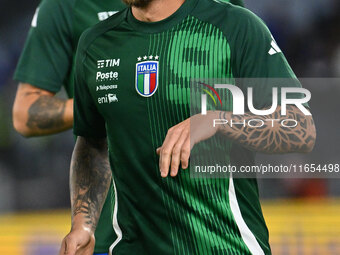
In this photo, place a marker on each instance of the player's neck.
(157, 10)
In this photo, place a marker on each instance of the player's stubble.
(138, 3)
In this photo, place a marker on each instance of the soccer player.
(46, 65)
(132, 86)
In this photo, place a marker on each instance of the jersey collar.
(165, 24)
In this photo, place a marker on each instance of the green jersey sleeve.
(258, 55)
(47, 55)
(88, 122)
(258, 60)
(237, 2)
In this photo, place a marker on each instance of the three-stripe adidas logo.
(274, 48)
(35, 18)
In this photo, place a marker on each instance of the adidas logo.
(274, 49)
(35, 18)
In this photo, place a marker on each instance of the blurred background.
(303, 215)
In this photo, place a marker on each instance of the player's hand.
(181, 138)
(78, 242)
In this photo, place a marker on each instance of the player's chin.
(138, 3)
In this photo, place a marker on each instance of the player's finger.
(164, 161)
(70, 247)
(185, 153)
(176, 153)
(158, 150)
(167, 147)
(84, 251)
(62, 248)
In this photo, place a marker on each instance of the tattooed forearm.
(90, 180)
(270, 136)
(46, 113)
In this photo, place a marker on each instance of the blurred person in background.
(46, 65)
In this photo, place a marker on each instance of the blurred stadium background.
(303, 215)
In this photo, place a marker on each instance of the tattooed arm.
(89, 183)
(271, 136)
(38, 112)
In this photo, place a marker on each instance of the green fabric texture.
(132, 83)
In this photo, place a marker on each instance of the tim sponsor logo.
(108, 63)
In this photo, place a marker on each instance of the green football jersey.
(48, 57)
(132, 83)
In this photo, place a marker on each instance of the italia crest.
(147, 76)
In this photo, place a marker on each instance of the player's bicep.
(26, 90)
(26, 96)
